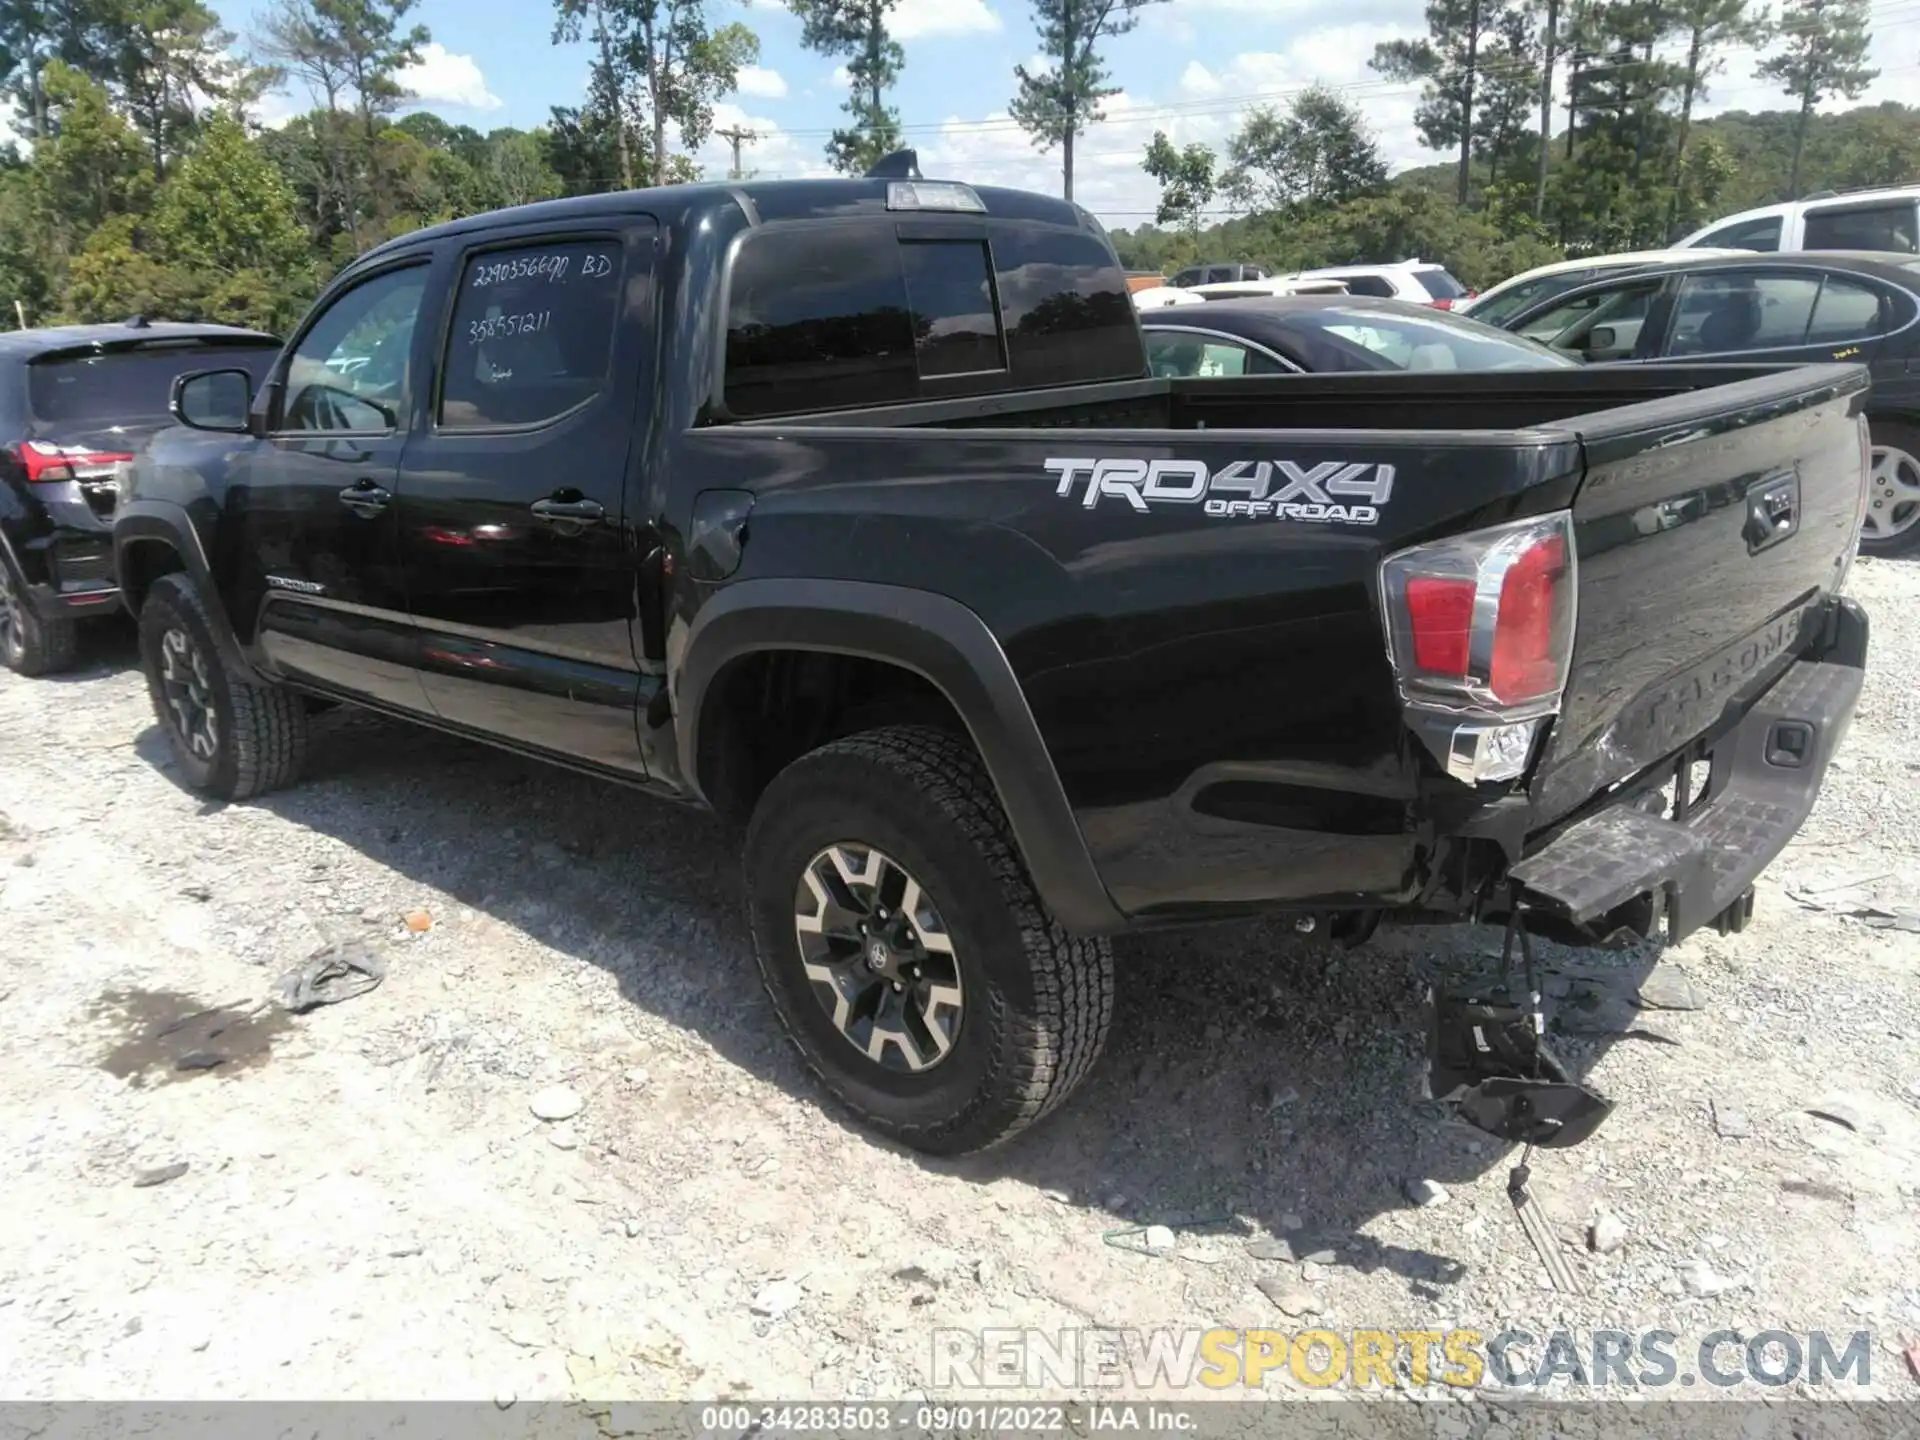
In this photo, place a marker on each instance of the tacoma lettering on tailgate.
(1333, 492)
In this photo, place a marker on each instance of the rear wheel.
(231, 738)
(906, 950)
(1893, 506)
(29, 644)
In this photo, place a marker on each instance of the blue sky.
(1192, 68)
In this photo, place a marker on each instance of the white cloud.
(842, 77)
(1198, 81)
(1205, 105)
(925, 19)
(443, 78)
(274, 110)
(762, 83)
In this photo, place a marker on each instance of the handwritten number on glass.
(499, 326)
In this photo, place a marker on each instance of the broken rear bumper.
(1765, 772)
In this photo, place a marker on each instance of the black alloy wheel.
(188, 690)
(880, 957)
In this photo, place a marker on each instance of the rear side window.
(532, 334)
(1864, 227)
(1439, 284)
(826, 317)
(1844, 311)
(129, 385)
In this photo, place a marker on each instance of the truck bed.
(1475, 401)
(1215, 690)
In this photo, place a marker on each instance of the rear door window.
(129, 385)
(1732, 311)
(1888, 225)
(532, 334)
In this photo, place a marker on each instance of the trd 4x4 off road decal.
(1333, 492)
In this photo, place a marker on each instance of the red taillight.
(1501, 660)
(1442, 304)
(47, 463)
(1440, 615)
(1525, 663)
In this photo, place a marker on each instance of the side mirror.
(215, 400)
(1601, 337)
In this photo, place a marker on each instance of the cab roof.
(761, 201)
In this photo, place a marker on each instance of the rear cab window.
(531, 338)
(130, 385)
(831, 316)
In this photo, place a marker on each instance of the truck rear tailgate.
(1709, 529)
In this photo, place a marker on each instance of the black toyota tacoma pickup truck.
(848, 510)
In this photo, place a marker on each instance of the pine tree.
(1057, 103)
(1824, 55)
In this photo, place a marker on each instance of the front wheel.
(1893, 506)
(906, 950)
(231, 738)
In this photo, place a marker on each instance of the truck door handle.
(570, 512)
(365, 498)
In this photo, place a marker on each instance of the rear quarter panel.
(1213, 688)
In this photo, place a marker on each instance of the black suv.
(76, 402)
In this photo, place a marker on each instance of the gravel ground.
(370, 1206)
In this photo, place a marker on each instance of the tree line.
(141, 186)
(1574, 131)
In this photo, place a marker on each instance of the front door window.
(351, 369)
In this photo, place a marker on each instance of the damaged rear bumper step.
(1764, 777)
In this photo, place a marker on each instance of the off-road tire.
(35, 645)
(1038, 1001)
(1891, 435)
(262, 740)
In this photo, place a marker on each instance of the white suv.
(1417, 281)
(1862, 220)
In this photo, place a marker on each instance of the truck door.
(318, 509)
(513, 527)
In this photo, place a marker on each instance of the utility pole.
(737, 137)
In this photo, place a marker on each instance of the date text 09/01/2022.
(924, 1418)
